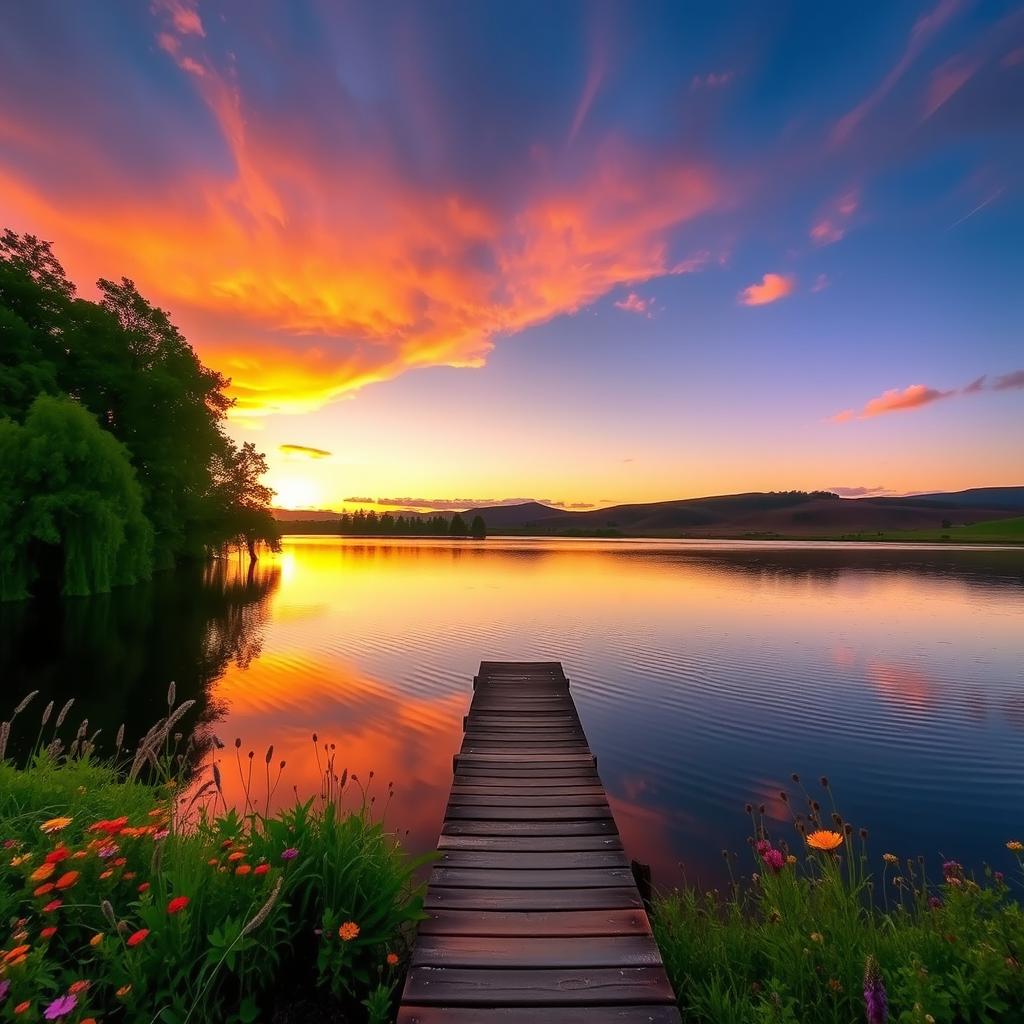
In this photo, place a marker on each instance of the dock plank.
(533, 914)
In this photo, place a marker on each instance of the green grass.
(995, 531)
(791, 943)
(87, 901)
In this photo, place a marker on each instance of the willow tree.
(68, 496)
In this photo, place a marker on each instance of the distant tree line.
(113, 456)
(371, 523)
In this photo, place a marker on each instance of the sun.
(295, 492)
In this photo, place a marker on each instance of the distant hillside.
(293, 515)
(771, 514)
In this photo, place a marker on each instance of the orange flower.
(55, 825)
(88, 1020)
(136, 937)
(1015, 845)
(22, 1007)
(177, 904)
(128, 876)
(824, 840)
(79, 854)
(348, 931)
(243, 869)
(42, 890)
(261, 869)
(43, 872)
(48, 933)
(392, 959)
(107, 873)
(123, 991)
(213, 862)
(96, 939)
(16, 862)
(119, 862)
(15, 953)
(56, 856)
(77, 986)
(67, 880)
(236, 855)
(110, 827)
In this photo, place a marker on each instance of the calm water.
(705, 673)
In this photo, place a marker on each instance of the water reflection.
(705, 674)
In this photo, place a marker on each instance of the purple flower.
(762, 846)
(774, 859)
(290, 854)
(106, 852)
(60, 1007)
(876, 1003)
(934, 902)
(999, 876)
(162, 834)
(5, 987)
(952, 867)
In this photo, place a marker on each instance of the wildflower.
(998, 876)
(123, 991)
(60, 1007)
(88, 1020)
(107, 873)
(43, 872)
(67, 880)
(111, 827)
(824, 840)
(42, 890)
(13, 954)
(261, 869)
(890, 858)
(392, 959)
(136, 937)
(762, 846)
(16, 862)
(236, 855)
(56, 856)
(952, 867)
(107, 851)
(835, 984)
(52, 906)
(213, 862)
(290, 854)
(78, 986)
(243, 869)
(120, 862)
(934, 902)
(348, 931)
(48, 932)
(227, 844)
(1016, 845)
(5, 987)
(178, 904)
(144, 887)
(876, 1003)
(160, 835)
(22, 1007)
(96, 940)
(774, 859)
(128, 876)
(817, 937)
(55, 825)
(790, 859)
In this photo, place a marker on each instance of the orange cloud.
(305, 272)
(771, 288)
(632, 303)
(918, 395)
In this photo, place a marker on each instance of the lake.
(705, 673)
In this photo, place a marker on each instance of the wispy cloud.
(633, 303)
(922, 32)
(303, 451)
(916, 396)
(771, 288)
(834, 221)
(712, 80)
(859, 491)
(821, 282)
(948, 79)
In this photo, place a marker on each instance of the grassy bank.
(131, 898)
(824, 930)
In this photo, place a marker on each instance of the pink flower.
(60, 1007)
(290, 854)
(774, 859)
(762, 846)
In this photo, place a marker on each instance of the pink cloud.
(821, 282)
(833, 223)
(948, 80)
(632, 303)
(771, 288)
(916, 396)
(927, 26)
(183, 15)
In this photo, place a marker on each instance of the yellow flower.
(55, 825)
(348, 931)
(19, 860)
(790, 859)
(890, 858)
(96, 939)
(1016, 845)
(824, 840)
(817, 937)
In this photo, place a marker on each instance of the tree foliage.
(132, 374)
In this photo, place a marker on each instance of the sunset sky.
(579, 252)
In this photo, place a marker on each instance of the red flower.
(56, 856)
(144, 887)
(136, 937)
(261, 869)
(52, 906)
(48, 933)
(42, 890)
(67, 880)
(177, 904)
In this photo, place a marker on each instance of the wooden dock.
(534, 915)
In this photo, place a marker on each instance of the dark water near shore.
(705, 673)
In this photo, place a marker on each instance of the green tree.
(478, 529)
(458, 526)
(68, 498)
